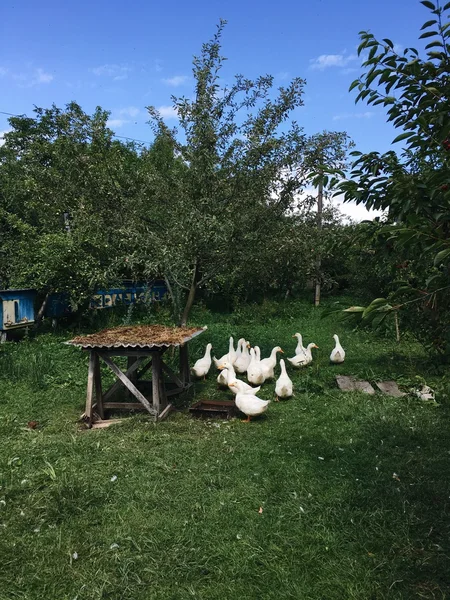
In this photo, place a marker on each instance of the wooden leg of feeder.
(98, 387)
(90, 388)
(156, 385)
(185, 372)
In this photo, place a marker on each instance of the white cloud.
(325, 61)
(176, 81)
(116, 123)
(42, 77)
(2, 134)
(168, 112)
(27, 80)
(129, 111)
(362, 115)
(3, 71)
(117, 72)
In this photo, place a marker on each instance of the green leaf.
(354, 309)
(428, 4)
(428, 24)
(441, 256)
(402, 136)
(428, 34)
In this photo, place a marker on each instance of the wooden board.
(103, 424)
(127, 383)
(350, 384)
(390, 388)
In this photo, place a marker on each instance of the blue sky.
(124, 56)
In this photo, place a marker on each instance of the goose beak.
(293, 336)
(315, 346)
(281, 350)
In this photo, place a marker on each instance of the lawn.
(326, 496)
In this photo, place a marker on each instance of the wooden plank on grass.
(350, 384)
(127, 383)
(345, 383)
(390, 388)
(364, 386)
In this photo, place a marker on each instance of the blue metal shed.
(16, 310)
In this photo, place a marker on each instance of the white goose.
(202, 365)
(283, 387)
(301, 360)
(242, 361)
(268, 364)
(300, 349)
(230, 356)
(250, 405)
(255, 374)
(239, 349)
(337, 355)
(241, 387)
(222, 378)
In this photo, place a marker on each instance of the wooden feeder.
(144, 347)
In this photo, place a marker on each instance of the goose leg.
(247, 420)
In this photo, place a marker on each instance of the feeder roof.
(137, 336)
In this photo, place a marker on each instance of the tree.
(225, 183)
(64, 185)
(414, 187)
(326, 155)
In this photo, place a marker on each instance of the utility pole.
(319, 229)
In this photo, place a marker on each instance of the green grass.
(182, 518)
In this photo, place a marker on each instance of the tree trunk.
(188, 305)
(41, 311)
(397, 328)
(319, 257)
(190, 298)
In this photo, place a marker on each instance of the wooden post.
(319, 229)
(98, 386)
(90, 388)
(156, 381)
(185, 372)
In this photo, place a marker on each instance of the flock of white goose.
(248, 360)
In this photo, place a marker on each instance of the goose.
(231, 373)
(268, 364)
(337, 355)
(239, 349)
(241, 387)
(255, 374)
(202, 365)
(283, 386)
(242, 361)
(257, 353)
(249, 404)
(230, 356)
(301, 360)
(222, 378)
(300, 347)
